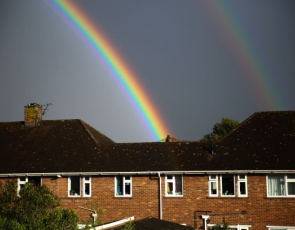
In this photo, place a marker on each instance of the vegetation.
(128, 226)
(90, 224)
(223, 226)
(33, 208)
(221, 129)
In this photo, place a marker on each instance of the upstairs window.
(290, 181)
(35, 180)
(74, 186)
(228, 185)
(242, 185)
(123, 186)
(213, 185)
(174, 185)
(281, 228)
(87, 186)
(281, 185)
(21, 182)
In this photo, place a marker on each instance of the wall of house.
(261, 210)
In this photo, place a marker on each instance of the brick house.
(248, 177)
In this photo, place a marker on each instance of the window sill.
(280, 197)
(173, 196)
(123, 196)
(227, 197)
(73, 197)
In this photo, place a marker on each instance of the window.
(227, 185)
(87, 186)
(281, 228)
(21, 182)
(242, 185)
(74, 186)
(123, 186)
(213, 185)
(174, 185)
(35, 180)
(290, 180)
(281, 185)
(233, 227)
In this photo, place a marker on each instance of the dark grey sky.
(198, 60)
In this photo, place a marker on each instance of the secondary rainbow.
(98, 42)
(235, 34)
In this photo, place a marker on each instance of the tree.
(35, 207)
(221, 129)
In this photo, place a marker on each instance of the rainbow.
(102, 48)
(235, 34)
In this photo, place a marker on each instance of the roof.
(156, 224)
(50, 145)
(265, 141)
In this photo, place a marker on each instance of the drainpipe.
(205, 218)
(160, 194)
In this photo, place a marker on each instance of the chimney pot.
(168, 138)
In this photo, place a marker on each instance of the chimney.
(33, 114)
(168, 138)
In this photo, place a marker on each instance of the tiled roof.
(49, 146)
(265, 141)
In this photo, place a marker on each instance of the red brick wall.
(261, 211)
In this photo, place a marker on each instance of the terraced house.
(248, 177)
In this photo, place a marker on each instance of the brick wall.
(261, 211)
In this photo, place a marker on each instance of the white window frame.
(211, 181)
(124, 181)
(69, 186)
(85, 181)
(280, 227)
(237, 227)
(173, 181)
(20, 182)
(286, 180)
(242, 180)
(221, 188)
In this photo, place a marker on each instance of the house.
(248, 177)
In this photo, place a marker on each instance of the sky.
(197, 60)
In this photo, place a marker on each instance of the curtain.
(276, 185)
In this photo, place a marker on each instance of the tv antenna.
(46, 108)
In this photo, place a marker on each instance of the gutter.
(59, 174)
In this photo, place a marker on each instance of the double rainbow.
(235, 34)
(102, 48)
